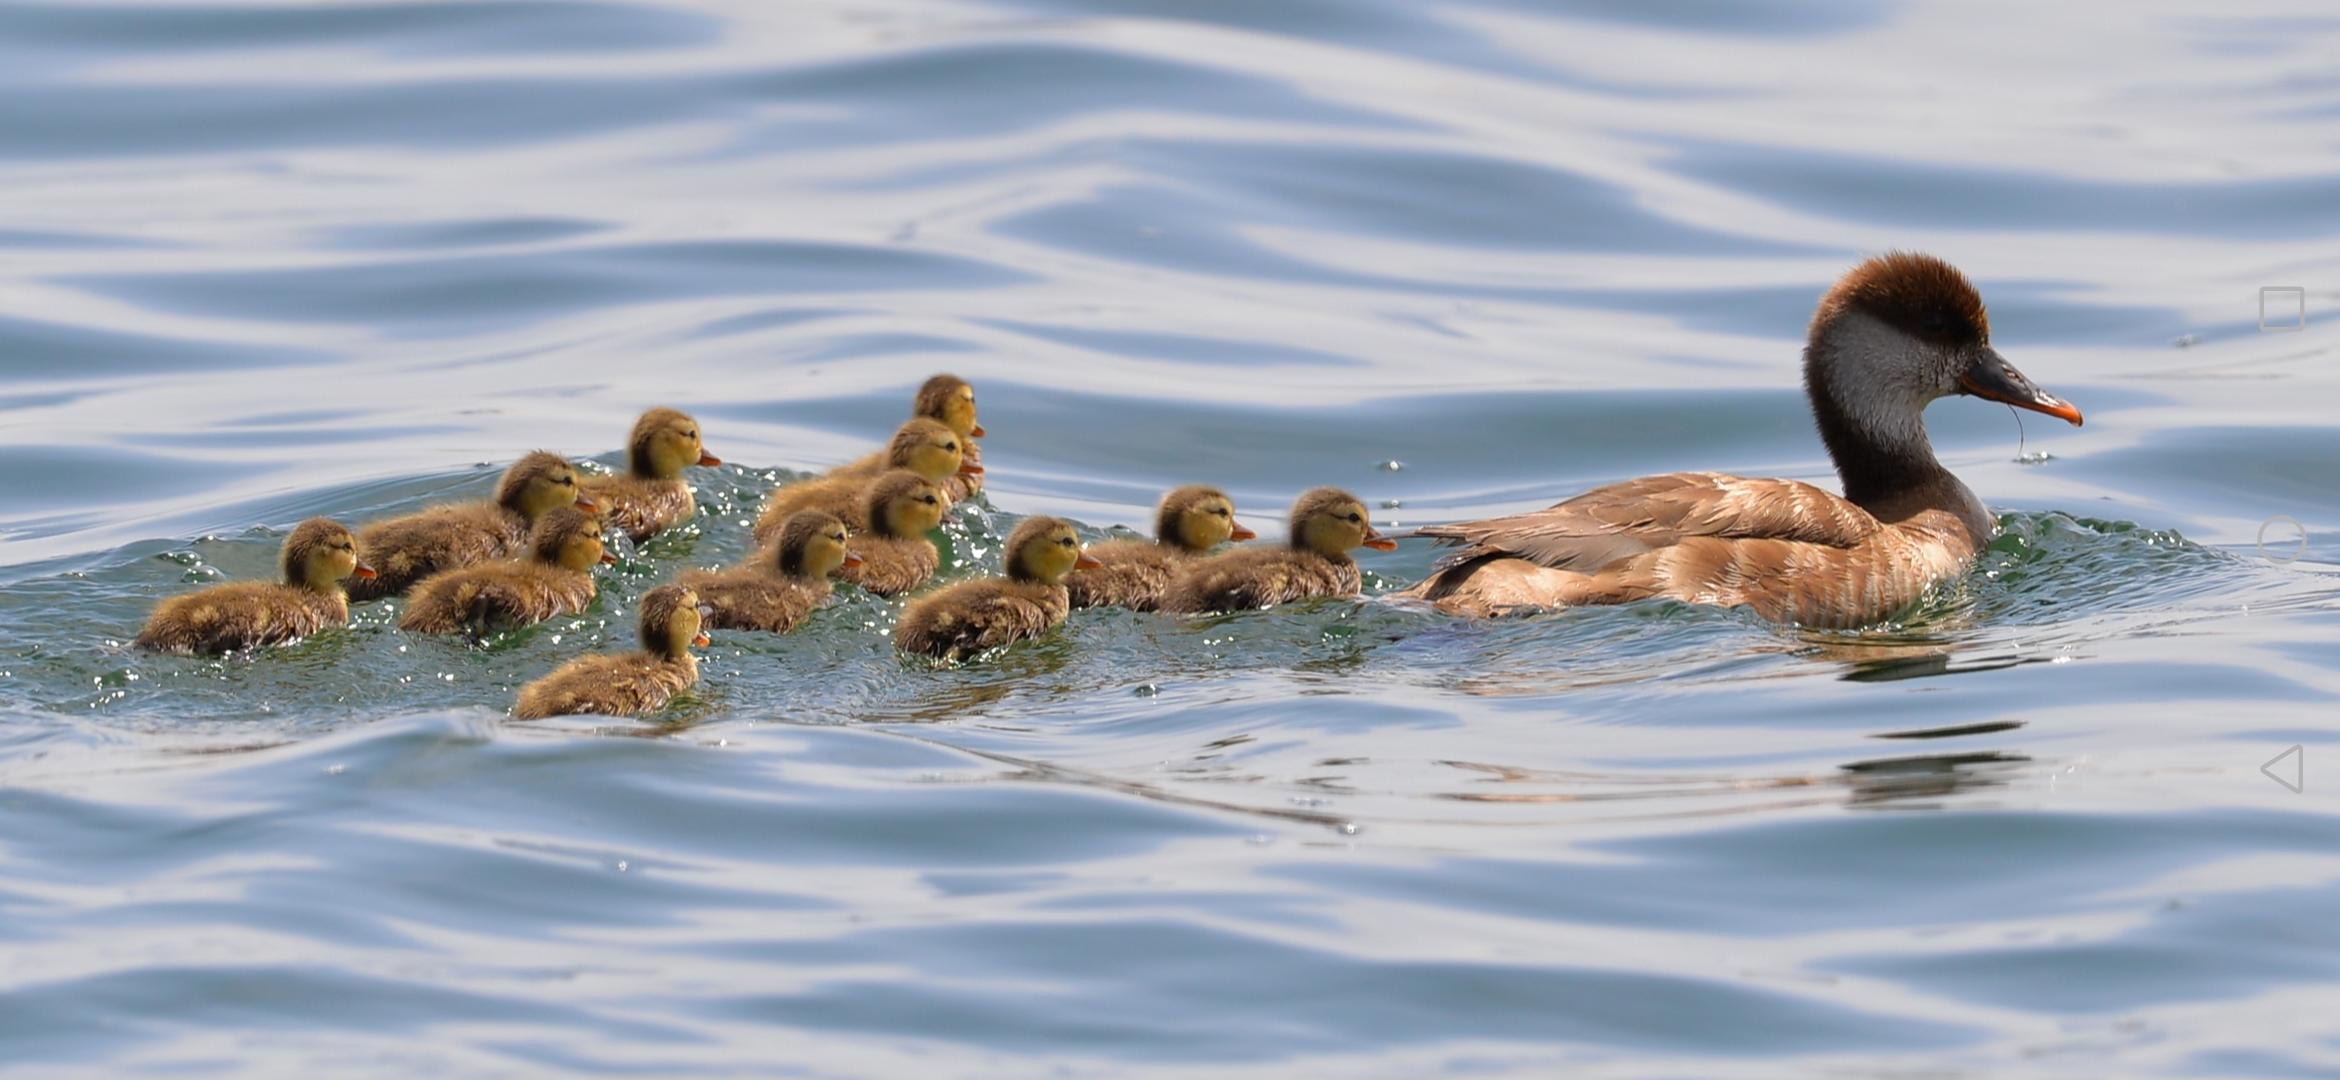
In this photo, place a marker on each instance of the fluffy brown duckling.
(783, 583)
(626, 684)
(926, 447)
(554, 578)
(972, 616)
(1137, 573)
(896, 555)
(1327, 524)
(650, 497)
(951, 401)
(405, 550)
(318, 556)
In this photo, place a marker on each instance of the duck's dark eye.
(950, 446)
(1354, 519)
(690, 434)
(928, 500)
(1065, 542)
(1224, 512)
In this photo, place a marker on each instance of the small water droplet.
(2186, 341)
(621, 866)
(1392, 504)
(336, 769)
(1392, 465)
(1146, 690)
(1348, 828)
(1259, 840)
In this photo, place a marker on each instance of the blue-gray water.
(264, 260)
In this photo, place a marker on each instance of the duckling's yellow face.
(916, 511)
(1339, 527)
(682, 628)
(1208, 523)
(938, 456)
(548, 489)
(958, 411)
(581, 551)
(826, 553)
(675, 445)
(1052, 553)
(331, 562)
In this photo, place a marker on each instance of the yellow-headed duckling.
(554, 578)
(783, 583)
(951, 401)
(1137, 573)
(318, 556)
(405, 550)
(896, 555)
(650, 497)
(626, 684)
(1327, 524)
(926, 447)
(972, 616)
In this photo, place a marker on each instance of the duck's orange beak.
(975, 432)
(1378, 542)
(608, 559)
(1241, 533)
(1992, 378)
(709, 460)
(1088, 562)
(702, 641)
(588, 505)
(969, 468)
(852, 561)
(364, 573)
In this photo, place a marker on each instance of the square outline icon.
(2298, 293)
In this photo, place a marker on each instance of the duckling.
(405, 550)
(972, 616)
(783, 583)
(926, 447)
(626, 684)
(1137, 573)
(651, 497)
(555, 578)
(896, 556)
(946, 398)
(316, 558)
(1327, 524)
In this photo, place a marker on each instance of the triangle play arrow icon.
(2298, 781)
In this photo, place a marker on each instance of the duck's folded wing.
(1610, 524)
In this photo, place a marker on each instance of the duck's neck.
(1879, 446)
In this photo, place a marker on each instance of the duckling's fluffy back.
(1255, 577)
(755, 598)
(405, 550)
(972, 616)
(891, 565)
(607, 684)
(1136, 575)
(241, 615)
(496, 596)
(641, 507)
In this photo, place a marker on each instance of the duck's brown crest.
(659, 607)
(1913, 292)
(1317, 501)
(935, 394)
(1178, 502)
(645, 429)
(797, 534)
(532, 464)
(303, 541)
(911, 435)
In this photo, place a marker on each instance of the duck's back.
(1788, 550)
(496, 596)
(1248, 578)
(892, 565)
(405, 550)
(750, 598)
(609, 684)
(959, 487)
(972, 616)
(842, 496)
(641, 507)
(1136, 575)
(242, 615)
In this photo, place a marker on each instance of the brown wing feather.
(610, 684)
(751, 598)
(842, 496)
(407, 549)
(225, 618)
(1136, 575)
(959, 487)
(1249, 578)
(639, 507)
(1610, 524)
(972, 616)
(892, 565)
(497, 596)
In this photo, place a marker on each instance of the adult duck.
(1893, 335)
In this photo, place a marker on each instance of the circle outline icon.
(2296, 552)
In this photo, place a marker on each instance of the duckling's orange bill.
(1378, 542)
(608, 559)
(709, 460)
(1992, 378)
(363, 572)
(975, 432)
(1088, 562)
(702, 641)
(1242, 533)
(588, 505)
(970, 469)
(852, 561)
